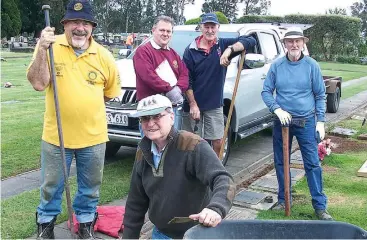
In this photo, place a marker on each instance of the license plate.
(118, 119)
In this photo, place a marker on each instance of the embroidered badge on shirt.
(78, 6)
(59, 69)
(175, 64)
(92, 75)
(219, 52)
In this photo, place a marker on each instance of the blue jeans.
(307, 141)
(89, 166)
(177, 111)
(156, 234)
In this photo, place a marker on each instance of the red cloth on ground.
(109, 220)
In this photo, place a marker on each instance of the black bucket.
(279, 229)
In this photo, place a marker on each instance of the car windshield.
(181, 39)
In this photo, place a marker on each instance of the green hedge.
(259, 19)
(348, 59)
(331, 35)
(221, 18)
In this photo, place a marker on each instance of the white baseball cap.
(152, 105)
(294, 33)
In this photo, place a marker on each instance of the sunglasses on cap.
(155, 118)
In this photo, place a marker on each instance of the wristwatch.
(232, 49)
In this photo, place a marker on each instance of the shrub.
(348, 59)
(260, 19)
(362, 49)
(192, 21)
(221, 18)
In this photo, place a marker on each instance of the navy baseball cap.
(209, 18)
(79, 9)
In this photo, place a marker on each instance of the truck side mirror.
(254, 60)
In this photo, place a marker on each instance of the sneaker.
(323, 215)
(279, 206)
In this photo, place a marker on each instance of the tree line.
(117, 16)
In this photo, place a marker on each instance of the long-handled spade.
(46, 9)
(240, 67)
(285, 138)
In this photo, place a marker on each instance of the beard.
(78, 43)
(295, 53)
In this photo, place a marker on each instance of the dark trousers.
(307, 141)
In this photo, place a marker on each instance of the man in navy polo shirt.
(207, 58)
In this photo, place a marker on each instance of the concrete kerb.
(257, 167)
(342, 117)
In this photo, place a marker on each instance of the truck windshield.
(181, 39)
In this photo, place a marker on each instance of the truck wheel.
(227, 146)
(111, 149)
(333, 100)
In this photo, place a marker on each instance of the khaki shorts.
(210, 126)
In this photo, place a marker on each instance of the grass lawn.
(18, 213)
(21, 119)
(352, 90)
(346, 71)
(347, 195)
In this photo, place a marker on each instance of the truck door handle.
(263, 77)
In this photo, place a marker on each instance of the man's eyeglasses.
(155, 118)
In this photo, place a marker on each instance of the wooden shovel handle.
(228, 123)
(285, 138)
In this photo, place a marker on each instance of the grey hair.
(163, 19)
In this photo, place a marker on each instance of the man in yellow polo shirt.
(86, 76)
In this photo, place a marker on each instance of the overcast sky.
(283, 7)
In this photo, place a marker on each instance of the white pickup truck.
(250, 114)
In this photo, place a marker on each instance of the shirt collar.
(302, 55)
(145, 144)
(154, 149)
(91, 49)
(195, 44)
(156, 46)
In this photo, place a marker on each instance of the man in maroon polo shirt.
(159, 69)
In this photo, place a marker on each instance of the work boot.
(86, 230)
(279, 206)
(45, 230)
(323, 215)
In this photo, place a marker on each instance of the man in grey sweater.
(175, 174)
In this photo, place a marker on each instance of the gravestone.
(343, 132)
(249, 197)
(266, 183)
(362, 137)
(297, 174)
(254, 200)
(362, 172)
(296, 158)
(357, 117)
